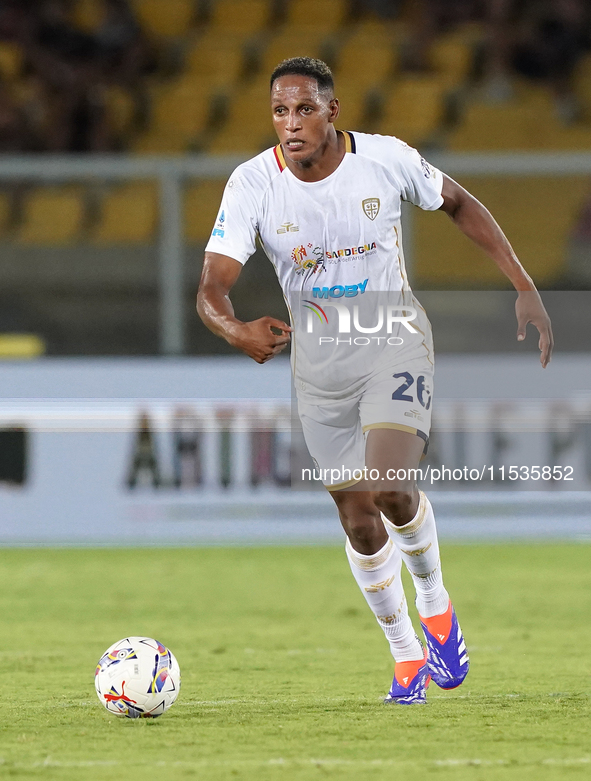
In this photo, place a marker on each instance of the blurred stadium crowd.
(167, 76)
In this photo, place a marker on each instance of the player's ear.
(335, 108)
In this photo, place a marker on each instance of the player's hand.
(530, 309)
(262, 339)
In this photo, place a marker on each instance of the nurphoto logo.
(387, 319)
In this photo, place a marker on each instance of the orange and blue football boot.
(410, 683)
(446, 649)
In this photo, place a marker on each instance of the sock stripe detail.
(369, 563)
(418, 552)
(413, 526)
(375, 588)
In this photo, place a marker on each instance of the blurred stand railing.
(172, 172)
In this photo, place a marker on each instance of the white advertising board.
(198, 451)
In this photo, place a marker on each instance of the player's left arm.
(475, 220)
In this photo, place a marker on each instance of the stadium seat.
(377, 52)
(582, 82)
(161, 141)
(243, 17)
(52, 216)
(352, 100)
(529, 121)
(571, 138)
(235, 139)
(5, 213)
(302, 41)
(325, 16)
(180, 112)
(165, 18)
(87, 15)
(21, 346)
(218, 61)
(451, 57)
(413, 108)
(512, 125)
(202, 201)
(249, 125)
(536, 213)
(121, 110)
(129, 215)
(11, 61)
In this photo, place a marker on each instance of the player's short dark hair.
(306, 66)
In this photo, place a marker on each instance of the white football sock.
(417, 542)
(378, 577)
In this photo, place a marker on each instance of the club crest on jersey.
(371, 207)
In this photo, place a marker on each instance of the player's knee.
(361, 530)
(366, 535)
(359, 519)
(396, 504)
(355, 519)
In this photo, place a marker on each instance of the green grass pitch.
(284, 667)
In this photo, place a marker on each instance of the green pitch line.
(284, 667)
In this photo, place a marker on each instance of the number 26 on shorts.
(423, 390)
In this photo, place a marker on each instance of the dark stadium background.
(79, 258)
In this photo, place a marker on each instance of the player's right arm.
(255, 338)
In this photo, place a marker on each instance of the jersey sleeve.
(236, 226)
(421, 182)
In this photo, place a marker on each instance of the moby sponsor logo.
(338, 291)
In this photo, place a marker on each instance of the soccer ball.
(138, 678)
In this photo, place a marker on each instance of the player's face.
(303, 117)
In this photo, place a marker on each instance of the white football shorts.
(335, 430)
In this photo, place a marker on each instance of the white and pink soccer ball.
(137, 677)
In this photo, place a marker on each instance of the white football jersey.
(339, 238)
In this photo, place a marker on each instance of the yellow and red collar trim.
(280, 157)
(350, 147)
